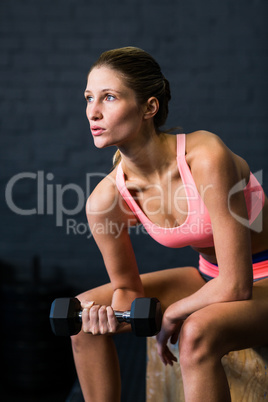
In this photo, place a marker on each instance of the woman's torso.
(165, 199)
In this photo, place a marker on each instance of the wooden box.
(246, 372)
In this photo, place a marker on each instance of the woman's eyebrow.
(104, 90)
(110, 89)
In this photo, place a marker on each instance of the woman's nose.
(94, 112)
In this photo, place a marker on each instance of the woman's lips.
(97, 130)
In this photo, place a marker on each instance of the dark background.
(214, 54)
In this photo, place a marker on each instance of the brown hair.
(143, 75)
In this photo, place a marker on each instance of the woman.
(186, 190)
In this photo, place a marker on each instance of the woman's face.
(112, 110)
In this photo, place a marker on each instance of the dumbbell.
(145, 316)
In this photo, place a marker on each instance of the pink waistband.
(260, 269)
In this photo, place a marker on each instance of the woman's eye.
(89, 98)
(110, 97)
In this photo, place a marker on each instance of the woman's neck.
(150, 156)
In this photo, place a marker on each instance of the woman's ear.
(151, 107)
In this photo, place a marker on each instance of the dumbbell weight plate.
(59, 311)
(149, 313)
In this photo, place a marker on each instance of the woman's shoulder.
(105, 202)
(201, 141)
(207, 155)
(206, 148)
(104, 196)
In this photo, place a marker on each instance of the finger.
(103, 320)
(112, 320)
(170, 357)
(165, 354)
(94, 319)
(167, 357)
(87, 304)
(85, 320)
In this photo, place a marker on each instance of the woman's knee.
(198, 341)
(100, 295)
(80, 341)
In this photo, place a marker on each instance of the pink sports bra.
(196, 230)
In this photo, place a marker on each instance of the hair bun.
(167, 89)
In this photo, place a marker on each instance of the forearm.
(214, 291)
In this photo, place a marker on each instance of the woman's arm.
(109, 220)
(215, 172)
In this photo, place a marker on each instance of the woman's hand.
(98, 320)
(170, 330)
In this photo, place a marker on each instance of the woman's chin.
(101, 142)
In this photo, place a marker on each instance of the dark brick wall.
(213, 52)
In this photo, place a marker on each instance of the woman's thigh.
(171, 285)
(234, 325)
(167, 285)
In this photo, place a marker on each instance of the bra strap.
(180, 145)
(119, 178)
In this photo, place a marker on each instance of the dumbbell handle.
(122, 316)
